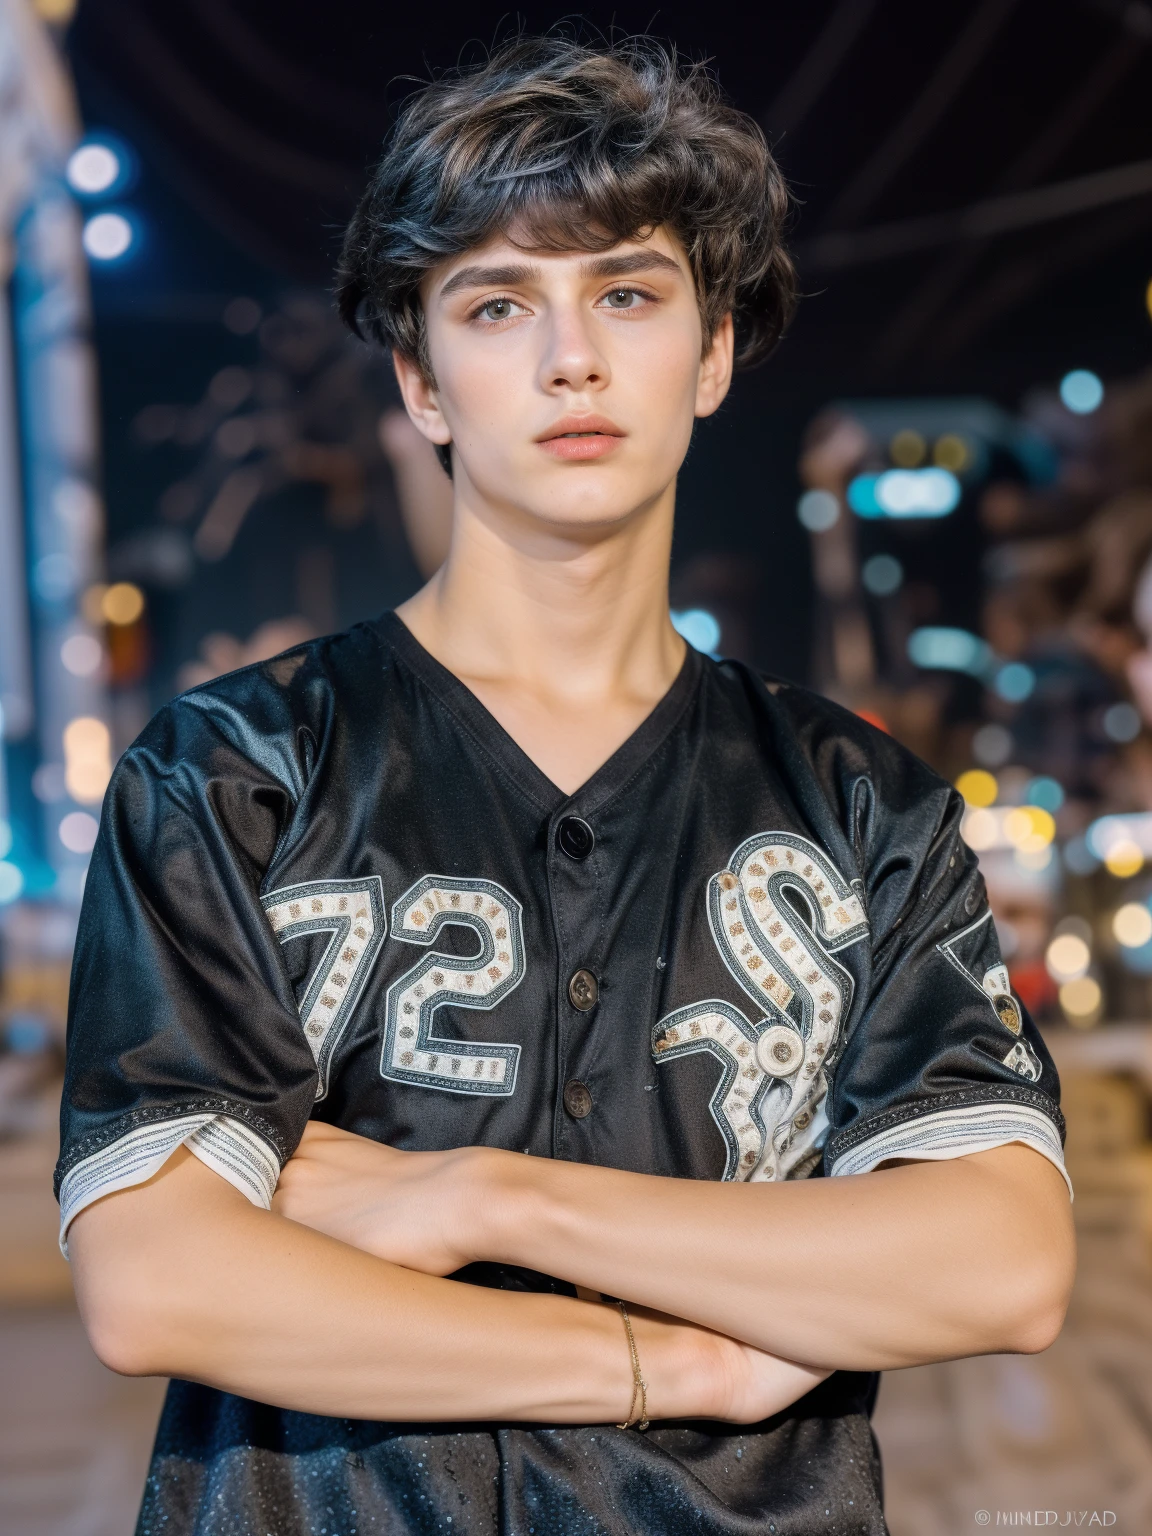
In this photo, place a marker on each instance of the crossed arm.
(746, 1295)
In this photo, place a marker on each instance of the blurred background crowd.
(934, 504)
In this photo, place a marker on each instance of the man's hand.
(425, 1211)
(417, 1209)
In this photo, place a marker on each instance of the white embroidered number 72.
(352, 911)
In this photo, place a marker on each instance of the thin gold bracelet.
(639, 1385)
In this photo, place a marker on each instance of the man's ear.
(420, 401)
(716, 369)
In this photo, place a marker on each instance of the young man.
(441, 979)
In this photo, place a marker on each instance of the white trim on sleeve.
(958, 1133)
(224, 1144)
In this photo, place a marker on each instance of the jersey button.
(577, 1100)
(575, 837)
(583, 992)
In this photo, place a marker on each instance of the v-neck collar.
(491, 736)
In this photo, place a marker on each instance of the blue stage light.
(949, 650)
(700, 628)
(1045, 792)
(1081, 391)
(11, 882)
(882, 575)
(932, 492)
(1014, 682)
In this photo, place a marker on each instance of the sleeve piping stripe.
(222, 1143)
(958, 1133)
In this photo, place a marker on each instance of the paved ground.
(74, 1438)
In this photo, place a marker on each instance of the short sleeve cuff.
(957, 1132)
(224, 1144)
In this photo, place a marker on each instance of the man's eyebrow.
(596, 266)
(630, 261)
(489, 277)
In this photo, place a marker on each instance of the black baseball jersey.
(751, 946)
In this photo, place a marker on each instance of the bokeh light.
(93, 168)
(1132, 925)
(1121, 723)
(948, 650)
(907, 449)
(1045, 792)
(700, 628)
(978, 787)
(1081, 391)
(1015, 681)
(122, 603)
(882, 575)
(1082, 1001)
(931, 492)
(1124, 859)
(107, 236)
(82, 655)
(952, 452)
(11, 882)
(818, 511)
(87, 759)
(980, 829)
(1029, 828)
(1067, 957)
(78, 831)
(992, 745)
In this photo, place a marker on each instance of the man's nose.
(573, 358)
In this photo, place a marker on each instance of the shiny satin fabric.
(330, 885)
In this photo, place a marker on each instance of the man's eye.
(497, 309)
(622, 298)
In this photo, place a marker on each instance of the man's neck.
(563, 635)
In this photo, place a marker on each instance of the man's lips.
(581, 437)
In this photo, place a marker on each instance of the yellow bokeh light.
(907, 449)
(1148, 299)
(1029, 828)
(1124, 859)
(87, 759)
(122, 603)
(1132, 925)
(1067, 957)
(978, 787)
(980, 829)
(952, 452)
(1081, 1001)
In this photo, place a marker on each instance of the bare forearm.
(923, 1262)
(185, 1278)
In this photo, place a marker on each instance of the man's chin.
(583, 519)
(581, 499)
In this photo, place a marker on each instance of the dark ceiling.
(267, 114)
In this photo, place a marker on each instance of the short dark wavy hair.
(570, 147)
